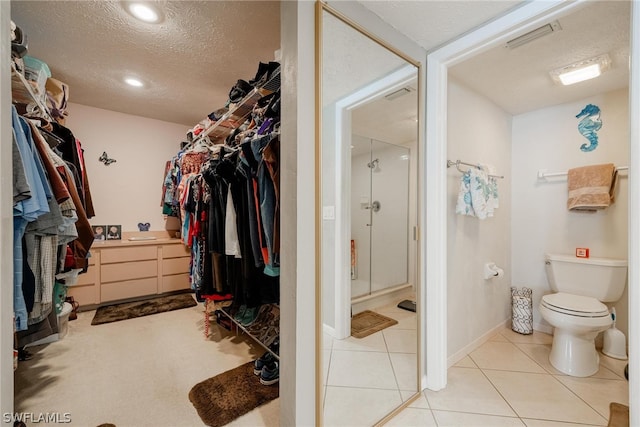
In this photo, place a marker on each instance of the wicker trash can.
(522, 310)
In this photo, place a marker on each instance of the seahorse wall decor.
(589, 125)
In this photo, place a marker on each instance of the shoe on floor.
(270, 373)
(260, 363)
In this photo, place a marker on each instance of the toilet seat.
(575, 305)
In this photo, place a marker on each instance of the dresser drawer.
(176, 282)
(128, 270)
(128, 289)
(85, 295)
(138, 253)
(89, 277)
(175, 251)
(175, 265)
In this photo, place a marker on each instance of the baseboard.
(539, 327)
(329, 330)
(462, 353)
(382, 299)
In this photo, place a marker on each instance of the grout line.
(500, 394)
(606, 417)
(568, 423)
(395, 376)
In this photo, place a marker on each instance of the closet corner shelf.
(233, 118)
(246, 331)
(22, 92)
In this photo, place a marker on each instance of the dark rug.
(618, 415)
(368, 322)
(130, 310)
(225, 397)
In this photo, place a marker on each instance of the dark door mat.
(130, 310)
(407, 305)
(368, 322)
(225, 397)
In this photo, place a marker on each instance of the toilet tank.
(600, 278)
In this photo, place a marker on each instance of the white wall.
(549, 139)
(478, 132)
(129, 191)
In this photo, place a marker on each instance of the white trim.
(6, 218)
(328, 330)
(498, 31)
(475, 344)
(342, 236)
(634, 218)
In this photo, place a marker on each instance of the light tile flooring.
(367, 378)
(508, 381)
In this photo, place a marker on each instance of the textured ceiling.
(189, 62)
(518, 79)
(432, 23)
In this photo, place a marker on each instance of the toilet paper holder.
(491, 270)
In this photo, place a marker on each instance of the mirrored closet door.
(368, 146)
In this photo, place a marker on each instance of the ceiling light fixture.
(144, 11)
(581, 71)
(132, 81)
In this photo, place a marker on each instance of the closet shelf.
(232, 119)
(250, 334)
(23, 93)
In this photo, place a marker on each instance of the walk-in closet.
(146, 193)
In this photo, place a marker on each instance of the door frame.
(516, 22)
(342, 231)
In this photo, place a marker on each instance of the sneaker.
(258, 364)
(270, 373)
(240, 313)
(249, 316)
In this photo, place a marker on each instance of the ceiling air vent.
(397, 94)
(534, 34)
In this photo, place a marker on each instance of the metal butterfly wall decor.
(105, 159)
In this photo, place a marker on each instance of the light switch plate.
(328, 212)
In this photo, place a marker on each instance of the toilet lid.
(575, 305)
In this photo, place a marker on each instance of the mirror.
(369, 149)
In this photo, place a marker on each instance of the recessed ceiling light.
(581, 71)
(132, 81)
(143, 11)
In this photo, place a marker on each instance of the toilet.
(576, 309)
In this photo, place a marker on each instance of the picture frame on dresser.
(114, 232)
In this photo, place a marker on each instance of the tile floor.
(508, 381)
(367, 378)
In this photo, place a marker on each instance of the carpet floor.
(225, 397)
(131, 310)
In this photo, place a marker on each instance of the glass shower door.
(379, 215)
(389, 258)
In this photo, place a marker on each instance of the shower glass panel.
(379, 215)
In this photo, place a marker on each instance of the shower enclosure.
(379, 216)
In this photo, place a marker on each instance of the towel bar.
(543, 174)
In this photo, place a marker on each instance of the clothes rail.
(457, 164)
(543, 174)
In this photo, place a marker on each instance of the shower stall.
(379, 217)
